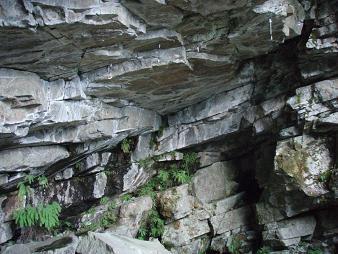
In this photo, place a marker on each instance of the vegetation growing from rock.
(264, 250)
(170, 176)
(314, 251)
(324, 177)
(46, 216)
(167, 176)
(104, 200)
(126, 145)
(126, 197)
(235, 245)
(24, 187)
(152, 226)
(105, 220)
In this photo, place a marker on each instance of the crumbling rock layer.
(250, 86)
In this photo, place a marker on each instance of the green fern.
(142, 232)
(126, 145)
(29, 179)
(46, 216)
(145, 163)
(24, 190)
(104, 201)
(190, 160)
(43, 181)
(235, 245)
(163, 177)
(153, 226)
(315, 251)
(126, 197)
(181, 176)
(264, 250)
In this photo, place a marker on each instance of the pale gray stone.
(65, 174)
(17, 248)
(215, 182)
(198, 245)
(304, 159)
(131, 215)
(231, 220)
(176, 203)
(100, 185)
(31, 158)
(208, 158)
(108, 243)
(181, 232)
(226, 204)
(292, 228)
(5, 232)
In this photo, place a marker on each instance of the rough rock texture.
(103, 97)
(114, 244)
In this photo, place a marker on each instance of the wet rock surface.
(202, 126)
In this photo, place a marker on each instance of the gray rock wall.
(99, 97)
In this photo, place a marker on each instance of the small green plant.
(163, 177)
(148, 189)
(142, 232)
(126, 197)
(235, 245)
(46, 216)
(189, 160)
(264, 250)
(145, 163)
(24, 186)
(24, 190)
(153, 226)
(67, 225)
(29, 179)
(107, 219)
(126, 145)
(324, 177)
(314, 251)
(181, 176)
(43, 181)
(298, 98)
(104, 200)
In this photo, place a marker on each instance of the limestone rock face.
(209, 125)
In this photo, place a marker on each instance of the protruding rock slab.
(231, 220)
(289, 232)
(30, 158)
(108, 243)
(181, 232)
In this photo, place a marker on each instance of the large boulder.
(307, 161)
